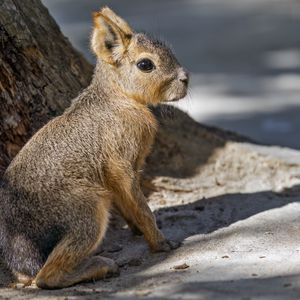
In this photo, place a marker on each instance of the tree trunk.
(40, 72)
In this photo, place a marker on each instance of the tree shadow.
(277, 127)
(276, 287)
(179, 222)
(183, 145)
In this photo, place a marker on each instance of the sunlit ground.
(244, 57)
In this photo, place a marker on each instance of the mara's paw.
(165, 246)
(112, 268)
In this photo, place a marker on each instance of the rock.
(181, 267)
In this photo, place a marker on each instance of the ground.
(234, 206)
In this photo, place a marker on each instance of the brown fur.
(59, 189)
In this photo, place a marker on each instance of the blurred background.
(243, 55)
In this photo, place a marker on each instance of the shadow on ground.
(183, 146)
(181, 222)
(279, 126)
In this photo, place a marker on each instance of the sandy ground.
(233, 205)
(243, 55)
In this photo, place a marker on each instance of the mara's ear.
(111, 36)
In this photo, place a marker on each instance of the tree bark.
(40, 72)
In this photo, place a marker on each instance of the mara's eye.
(145, 65)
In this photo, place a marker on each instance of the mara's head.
(144, 68)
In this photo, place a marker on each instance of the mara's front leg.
(132, 204)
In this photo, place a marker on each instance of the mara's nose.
(183, 76)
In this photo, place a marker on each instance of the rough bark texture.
(40, 72)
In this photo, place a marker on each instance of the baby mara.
(58, 191)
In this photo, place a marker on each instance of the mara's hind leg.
(72, 260)
(59, 273)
